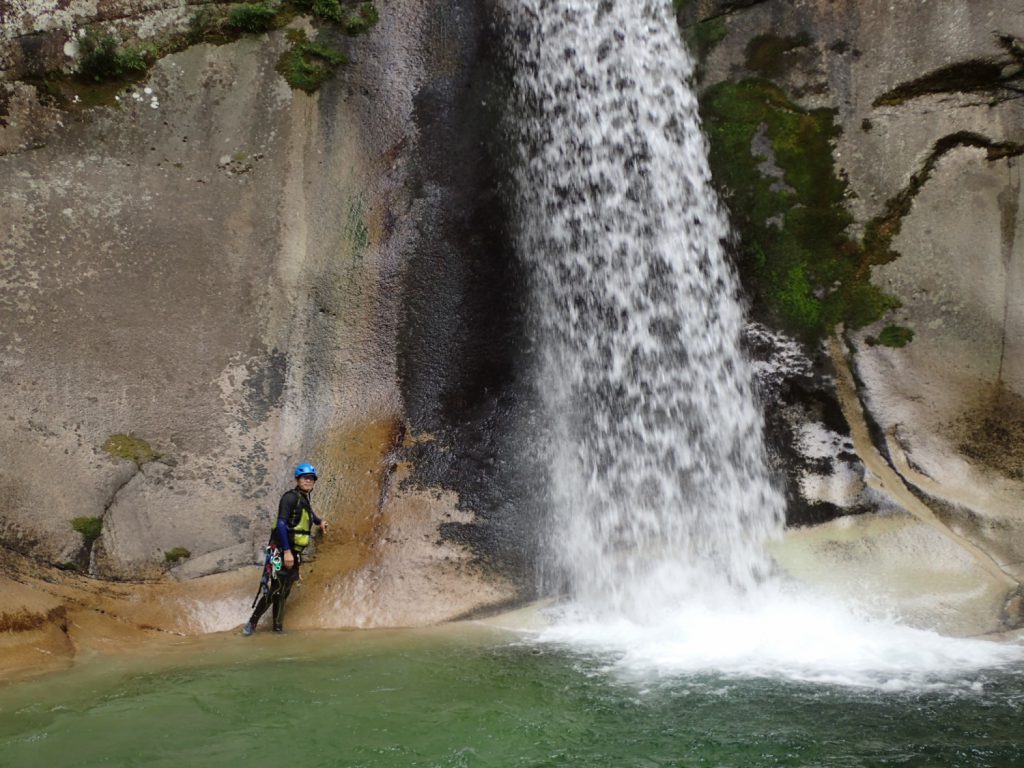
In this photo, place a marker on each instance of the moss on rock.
(895, 336)
(252, 17)
(705, 36)
(361, 19)
(106, 63)
(176, 554)
(89, 527)
(766, 54)
(773, 164)
(354, 18)
(306, 64)
(102, 57)
(130, 447)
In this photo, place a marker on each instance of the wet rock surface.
(134, 267)
(239, 277)
(242, 276)
(925, 106)
(463, 353)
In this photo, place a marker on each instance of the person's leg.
(267, 598)
(286, 580)
(260, 609)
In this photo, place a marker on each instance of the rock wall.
(208, 279)
(41, 37)
(921, 106)
(172, 265)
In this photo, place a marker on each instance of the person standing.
(291, 535)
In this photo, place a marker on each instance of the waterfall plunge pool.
(478, 695)
(658, 446)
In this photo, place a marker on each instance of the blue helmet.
(305, 469)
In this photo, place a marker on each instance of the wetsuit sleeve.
(284, 511)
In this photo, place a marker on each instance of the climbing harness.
(271, 571)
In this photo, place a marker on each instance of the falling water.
(661, 499)
(659, 483)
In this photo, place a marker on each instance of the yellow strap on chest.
(300, 533)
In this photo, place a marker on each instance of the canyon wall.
(870, 153)
(209, 276)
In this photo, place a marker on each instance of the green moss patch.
(361, 19)
(796, 258)
(894, 336)
(766, 54)
(306, 64)
(176, 554)
(130, 447)
(252, 17)
(217, 25)
(353, 18)
(102, 57)
(705, 36)
(89, 527)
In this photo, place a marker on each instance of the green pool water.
(476, 696)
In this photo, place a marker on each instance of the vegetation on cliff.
(131, 448)
(105, 61)
(306, 64)
(893, 336)
(252, 17)
(89, 527)
(772, 161)
(172, 556)
(102, 57)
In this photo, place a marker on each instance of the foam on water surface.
(776, 633)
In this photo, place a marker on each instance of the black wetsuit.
(289, 513)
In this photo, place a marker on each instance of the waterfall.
(658, 481)
(661, 501)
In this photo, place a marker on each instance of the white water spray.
(661, 499)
